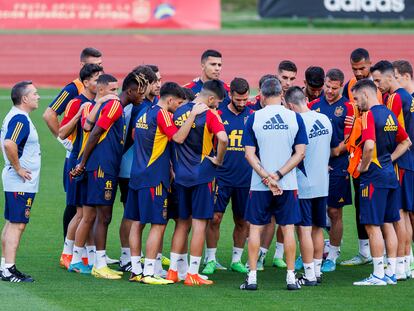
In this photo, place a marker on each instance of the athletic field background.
(57, 289)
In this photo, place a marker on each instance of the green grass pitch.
(56, 289)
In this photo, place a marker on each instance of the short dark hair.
(89, 52)
(210, 53)
(294, 95)
(265, 77)
(335, 74)
(359, 54)
(364, 83)
(18, 91)
(271, 87)
(88, 71)
(287, 65)
(133, 80)
(239, 85)
(383, 66)
(105, 79)
(148, 73)
(403, 67)
(216, 87)
(154, 68)
(315, 76)
(189, 94)
(172, 89)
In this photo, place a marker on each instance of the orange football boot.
(65, 260)
(172, 276)
(196, 280)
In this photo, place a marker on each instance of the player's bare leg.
(255, 234)
(307, 252)
(409, 234)
(135, 244)
(391, 244)
(318, 245)
(403, 240)
(279, 250)
(266, 239)
(67, 252)
(179, 247)
(12, 240)
(212, 238)
(335, 237)
(125, 258)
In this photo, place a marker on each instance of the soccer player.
(57, 107)
(340, 113)
(21, 152)
(399, 101)
(314, 81)
(360, 64)
(71, 126)
(211, 65)
(384, 141)
(313, 185)
(233, 179)
(150, 177)
(286, 73)
(273, 189)
(257, 103)
(133, 97)
(404, 75)
(101, 160)
(194, 165)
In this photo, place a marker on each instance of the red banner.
(107, 14)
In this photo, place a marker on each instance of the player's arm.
(51, 118)
(349, 121)
(184, 130)
(91, 118)
(403, 141)
(72, 115)
(17, 133)
(369, 139)
(301, 140)
(216, 127)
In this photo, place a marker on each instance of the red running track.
(52, 60)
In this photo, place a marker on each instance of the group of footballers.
(285, 159)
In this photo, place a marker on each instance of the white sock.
(68, 247)
(400, 269)
(84, 253)
(290, 277)
(317, 263)
(149, 267)
(211, 254)
(326, 245)
(237, 254)
(378, 263)
(182, 265)
(391, 266)
(136, 265)
(309, 271)
(158, 264)
(2, 263)
(91, 250)
(263, 251)
(364, 248)
(77, 254)
(407, 263)
(280, 249)
(411, 255)
(252, 277)
(334, 252)
(194, 264)
(100, 259)
(7, 266)
(125, 256)
(174, 261)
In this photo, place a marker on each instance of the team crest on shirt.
(339, 111)
(29, 202)
(108, 190)
(27, 213)
(164, 209)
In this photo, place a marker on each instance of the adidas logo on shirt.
(390, 125)
(142, 122)
(318, 129)
(275, 123)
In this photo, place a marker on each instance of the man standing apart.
(273, 190)
(21, 152)
(385, 140)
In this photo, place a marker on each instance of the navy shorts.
(101, 189)
(262, 205)
(147, 205)
(195, 201)
(379, 205)
(340, 193)
(18, 206)
(238, 196)
(313, 212)
(66, 171)
(172, 196)
(123, 184)
(407, 189)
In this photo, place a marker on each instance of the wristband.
(278, 173)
